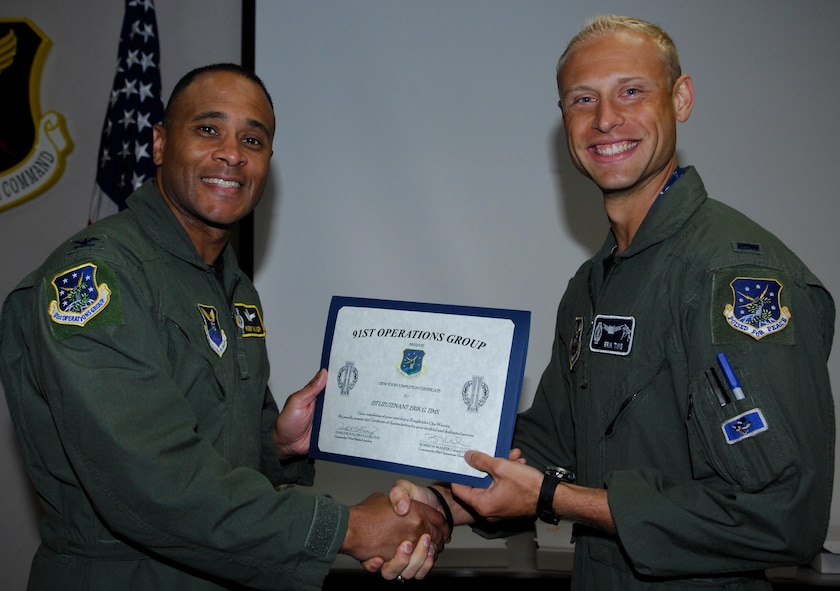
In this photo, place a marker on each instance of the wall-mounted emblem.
(33, 145)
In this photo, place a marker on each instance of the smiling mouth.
(222, 182)
(613, 149)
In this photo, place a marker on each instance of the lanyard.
(678, 172)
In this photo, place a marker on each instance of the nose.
(230, 151)
(608, 116)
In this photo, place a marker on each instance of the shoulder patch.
(751, 305)
(85, 296)
(249, 319)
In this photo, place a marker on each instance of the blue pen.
(731, 378)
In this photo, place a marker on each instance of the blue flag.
(135, 106)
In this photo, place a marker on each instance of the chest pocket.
(195, 363)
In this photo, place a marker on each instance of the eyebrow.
(621, 80)
(224, 117)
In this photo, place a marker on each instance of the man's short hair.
(611, 23)
(190, 77)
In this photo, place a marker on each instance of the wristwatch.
(554, 475)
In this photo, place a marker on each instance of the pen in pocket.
(731, 378)
(716, 386)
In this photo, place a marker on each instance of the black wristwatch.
(554, 475)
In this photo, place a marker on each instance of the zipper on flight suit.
(625, 404)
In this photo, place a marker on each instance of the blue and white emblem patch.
(743, 426)
(756, 308)
(216, 337)
(612, 334)
(78, 297)
(412, 361)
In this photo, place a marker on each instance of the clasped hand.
(507, 496)
(418, 532)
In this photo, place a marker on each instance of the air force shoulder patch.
(87, 297)
(79, 298)
(756, 307)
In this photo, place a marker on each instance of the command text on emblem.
(756, 308)
(33, 145)
(78, 297)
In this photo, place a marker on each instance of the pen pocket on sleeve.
(746, 442)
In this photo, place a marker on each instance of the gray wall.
(76, 81)
(419, 155)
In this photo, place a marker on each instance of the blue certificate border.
(510, 405)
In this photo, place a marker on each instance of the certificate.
(412, 386)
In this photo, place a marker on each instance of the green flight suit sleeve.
(133, 445)
(756, 502)
(293, 471)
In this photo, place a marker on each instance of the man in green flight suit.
(135, 369)
(685, 421)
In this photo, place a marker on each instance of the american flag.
(135, 106)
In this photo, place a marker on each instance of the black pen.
(717, 387)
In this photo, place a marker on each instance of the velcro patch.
(612, 334)
(216, 337)
(86, 296)
(750, 302)
(249, 319)
(745, 425)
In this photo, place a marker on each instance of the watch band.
(554, 475)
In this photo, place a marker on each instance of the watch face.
(561, 473)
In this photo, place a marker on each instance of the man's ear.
(158, 141)
(683, 97)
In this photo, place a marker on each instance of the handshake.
(420, 519)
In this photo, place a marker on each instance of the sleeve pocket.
(747, 442)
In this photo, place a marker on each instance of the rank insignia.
(78, 297)
(743, 426)
(249, 320)
(756, 307)
(216, 337)
(412, 361)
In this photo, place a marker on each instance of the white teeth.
(614, 149)
(222, 182)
